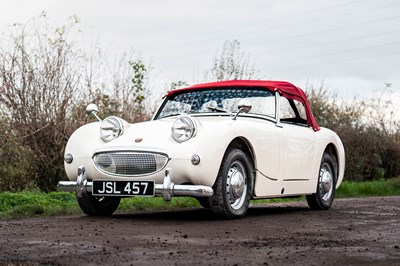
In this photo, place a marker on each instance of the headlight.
(111, 128)
(183, 129)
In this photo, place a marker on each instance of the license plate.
(122, 188)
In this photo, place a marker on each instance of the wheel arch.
(244, 145)
(332, 150)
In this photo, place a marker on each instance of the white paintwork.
(286, 157)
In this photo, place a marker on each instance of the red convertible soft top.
(286, 89)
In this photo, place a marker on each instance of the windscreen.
(222, 100)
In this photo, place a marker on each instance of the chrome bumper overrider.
(168, 189)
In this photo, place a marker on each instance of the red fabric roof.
(286, 89)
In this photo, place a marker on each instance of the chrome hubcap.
(326, 182)
(236, 185)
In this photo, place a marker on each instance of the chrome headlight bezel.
(184, 128)
(111, 128)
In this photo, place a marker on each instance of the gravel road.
(362, 231)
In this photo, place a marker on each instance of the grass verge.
(31, 204)
(390, 187)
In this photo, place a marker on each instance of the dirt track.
(353, 232)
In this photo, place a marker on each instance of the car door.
(297, 152)
(297, 142)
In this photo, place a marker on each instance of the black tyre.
(234, 185)
(326, 185)
(98, 206)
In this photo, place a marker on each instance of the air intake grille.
(130, 163)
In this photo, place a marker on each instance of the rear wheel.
(98, 206)
(326, 185)
(234, 185)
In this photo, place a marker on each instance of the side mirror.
(92, 109)
(244, 106)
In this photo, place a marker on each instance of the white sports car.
(223, 143)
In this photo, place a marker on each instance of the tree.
(178, 84)
(138, 88)
(372, 150)
(231, 64)
(45, 84)
(39, 72)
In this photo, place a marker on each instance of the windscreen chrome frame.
(277, 109)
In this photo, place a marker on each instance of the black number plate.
(122, 188)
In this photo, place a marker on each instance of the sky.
(352, 47)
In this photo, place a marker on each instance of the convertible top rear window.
(219, 100)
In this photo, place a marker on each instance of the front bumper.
(167, 190)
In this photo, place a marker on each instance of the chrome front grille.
(130, 163)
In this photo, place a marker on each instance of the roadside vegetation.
(46, 81)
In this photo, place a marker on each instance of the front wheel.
(98, 206)
(326, 185)
(234, 185)
(204, 202)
